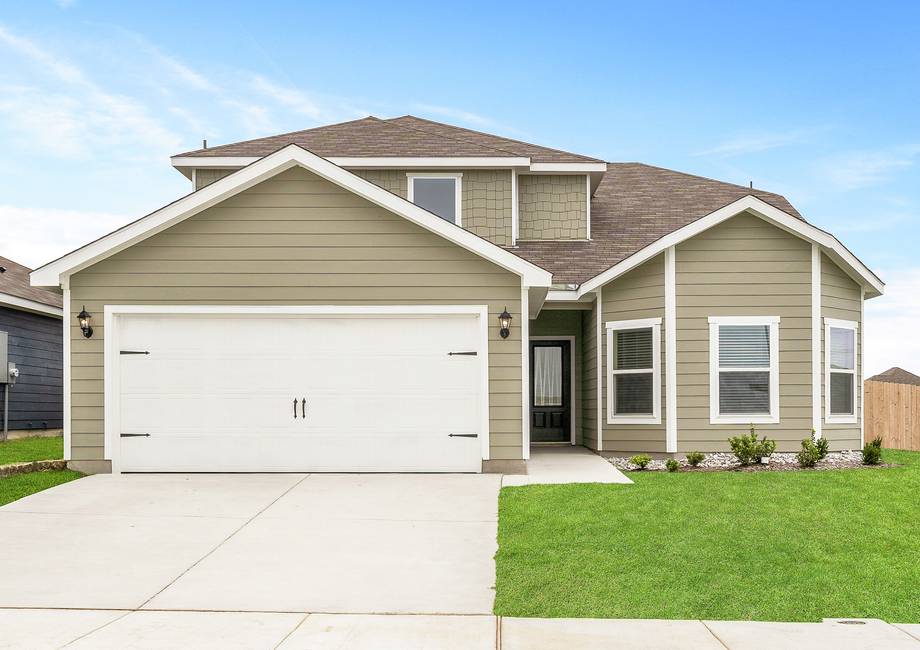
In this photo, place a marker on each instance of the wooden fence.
(892, 411)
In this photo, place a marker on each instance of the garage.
(296, 390)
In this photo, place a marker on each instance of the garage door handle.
(462, 354)
(135, 435)
(295, 408)
(135, 352)
(462, 435)
(303, 408)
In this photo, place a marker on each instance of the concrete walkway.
(565, 464)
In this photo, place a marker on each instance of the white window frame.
(749, 418)
(829, 418)
(644, 323)
(458, 184)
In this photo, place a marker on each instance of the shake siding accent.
(589, 378)
(295, 240)
(553, 207)
(553, 322)
(743, 267)
(485, 200)
(840, 296)
(638, 294)
(204, 177)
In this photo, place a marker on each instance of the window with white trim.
(634, 371)
(437, 193)
(744, 369)
(840, 370)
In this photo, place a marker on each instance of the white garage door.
(299, 394)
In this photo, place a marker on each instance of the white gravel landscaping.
(727, 461)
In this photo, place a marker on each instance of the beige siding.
(743, 267)
(485, 201)
(553, 207)
(637, 294)
(553, 322)
(295, 240)
(204, 177)
(589, 377)
(840, 298)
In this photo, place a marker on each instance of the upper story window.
(840, 369)
(744, 369)
(437, 193)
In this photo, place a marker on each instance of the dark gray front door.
(550, 392)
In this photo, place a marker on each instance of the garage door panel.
(373, 394)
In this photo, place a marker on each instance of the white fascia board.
(568, 168)
(557, 295)
(225, 162)
(417, 163)
(54, 274)
(765, 211)
(24, 304)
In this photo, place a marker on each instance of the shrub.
(672, 464)
(747, 449)
(810, 454)
(695, 457)
(872, 452)
(821, 446)
(641, 460)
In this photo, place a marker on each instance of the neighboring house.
(31, 317)
(329, 300)
(892, 401)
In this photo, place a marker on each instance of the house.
(892, 401)
(31, 318)
(338, 299)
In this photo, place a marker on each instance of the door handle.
(303, 408)
(462, 435)
(295, 408)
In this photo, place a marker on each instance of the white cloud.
(752, 144)
(857, 169)
(893, 324)
(33, 236)
(454, 114)
(66, 3)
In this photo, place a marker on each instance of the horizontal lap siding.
(638, 294)
(589, 377)
(296, 240)
(743, 267)
(840, 299)
(36, 347)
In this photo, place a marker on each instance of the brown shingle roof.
(373, 137)
(896, 376)
(634, 206)
(15, 282)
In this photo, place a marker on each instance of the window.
(840, 370)
(437, 193)
(744, 370)
(634, 371)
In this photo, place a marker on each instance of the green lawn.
(763, 546)
(16, 487)
(26, 450)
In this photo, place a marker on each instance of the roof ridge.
(447, 137)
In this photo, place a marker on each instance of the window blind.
(842, 393)
(633, 350)
(744, 392)
(744, 346)
(843, 348)
(634, 394)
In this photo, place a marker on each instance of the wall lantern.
(85, 319)
(504, 322)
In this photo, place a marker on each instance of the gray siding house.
(336, 299)
(31, 318)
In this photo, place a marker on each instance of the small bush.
(872, 452)
(821, 446)
(695, 457)
(641, 460)
(672, 464)
(810, 454)
(747, 449)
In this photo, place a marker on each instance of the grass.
(764, 546)
(25, 450)
(17, 487)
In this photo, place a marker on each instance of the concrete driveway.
(357, 544)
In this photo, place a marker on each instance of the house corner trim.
(670, 349)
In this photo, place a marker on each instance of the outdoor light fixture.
(85, 319)
(504, 322)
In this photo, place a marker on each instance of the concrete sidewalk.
(558, 464)
(31, 629)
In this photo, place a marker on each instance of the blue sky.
(815, 100)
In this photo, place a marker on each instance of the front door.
(550, 391)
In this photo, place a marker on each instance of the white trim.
(568, 168)
(525, 373)
(430, 163)
(588, 185)
(291, 156)
(828, 242)
(356, 162)
(644, 323)
(515, 208)
(458, 190)
(194, 179)
(816, 387)
(853, 327)
(111, 356)
(559, 295)
(68, 387)
(24, 304)
(599, 344)
(862, 377)
(714, 416)
(571, 340)
(227, 162)
(670, 349)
